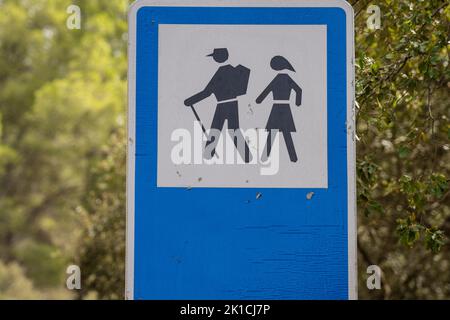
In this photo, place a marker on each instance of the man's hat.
(219, 55)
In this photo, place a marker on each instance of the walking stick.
(203, 127)
(198, 119)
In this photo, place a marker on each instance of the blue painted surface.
(211, 243)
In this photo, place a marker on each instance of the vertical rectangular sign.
(241, 154)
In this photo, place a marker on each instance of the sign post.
(256, 201)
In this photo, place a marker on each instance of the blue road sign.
(241, 154)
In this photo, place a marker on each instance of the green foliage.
(102, 252)
(409, 230)
(435, 239)
(47, 262)
(14, 284)
(438, 185)
(62, 94)
(366, 179)
(403, 149)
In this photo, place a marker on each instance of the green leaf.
(404, 152)
(438, 185)
(409, 231)
(434, 240)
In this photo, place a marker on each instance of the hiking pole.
(199, 121)
(203, 127)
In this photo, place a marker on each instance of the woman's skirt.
(281, 118)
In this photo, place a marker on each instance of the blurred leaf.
(434, 239)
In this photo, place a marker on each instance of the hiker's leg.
(214, 135)
(241, 145)
(268, 149)
(235, 133)
(290, 146)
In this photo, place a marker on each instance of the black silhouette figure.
(226, 85)
(280, 118)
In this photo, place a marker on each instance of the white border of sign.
(351, 148)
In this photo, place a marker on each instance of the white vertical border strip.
(352, 225)
(351, 148)
(131, 154)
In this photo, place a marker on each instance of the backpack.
(241, 76)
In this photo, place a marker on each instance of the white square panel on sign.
(184, 69)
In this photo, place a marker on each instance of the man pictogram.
(226, 85)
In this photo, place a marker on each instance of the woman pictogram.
(280, 119)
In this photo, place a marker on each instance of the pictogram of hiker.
(226, 85)
(280, 119)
